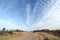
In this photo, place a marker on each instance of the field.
(44, 35)
(35, 35)
(15, 35)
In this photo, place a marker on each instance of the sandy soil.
(33, 36)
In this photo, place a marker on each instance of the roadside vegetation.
(38, 34)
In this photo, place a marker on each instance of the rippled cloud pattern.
(30, 14)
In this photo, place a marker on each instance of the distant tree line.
(9, 32)
(54, 32)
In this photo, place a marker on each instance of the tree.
(3, 29)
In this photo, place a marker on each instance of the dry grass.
(15, 35)
(5, 37)
(37, 36)
(51, 37)
(43, 35)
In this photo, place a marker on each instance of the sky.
(30, 14)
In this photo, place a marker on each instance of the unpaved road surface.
(28, 36)
(40, 36)
(33, 36)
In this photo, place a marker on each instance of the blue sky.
(30, 14)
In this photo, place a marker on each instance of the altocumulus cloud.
(30, 15)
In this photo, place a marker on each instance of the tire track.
(29, 36)
(45, 36)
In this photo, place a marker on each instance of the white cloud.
(28, 14)
(9, 24)
(38, 25)
(51, 19)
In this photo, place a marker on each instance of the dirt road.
(33, 36)
(40, 36)
(28, 36)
